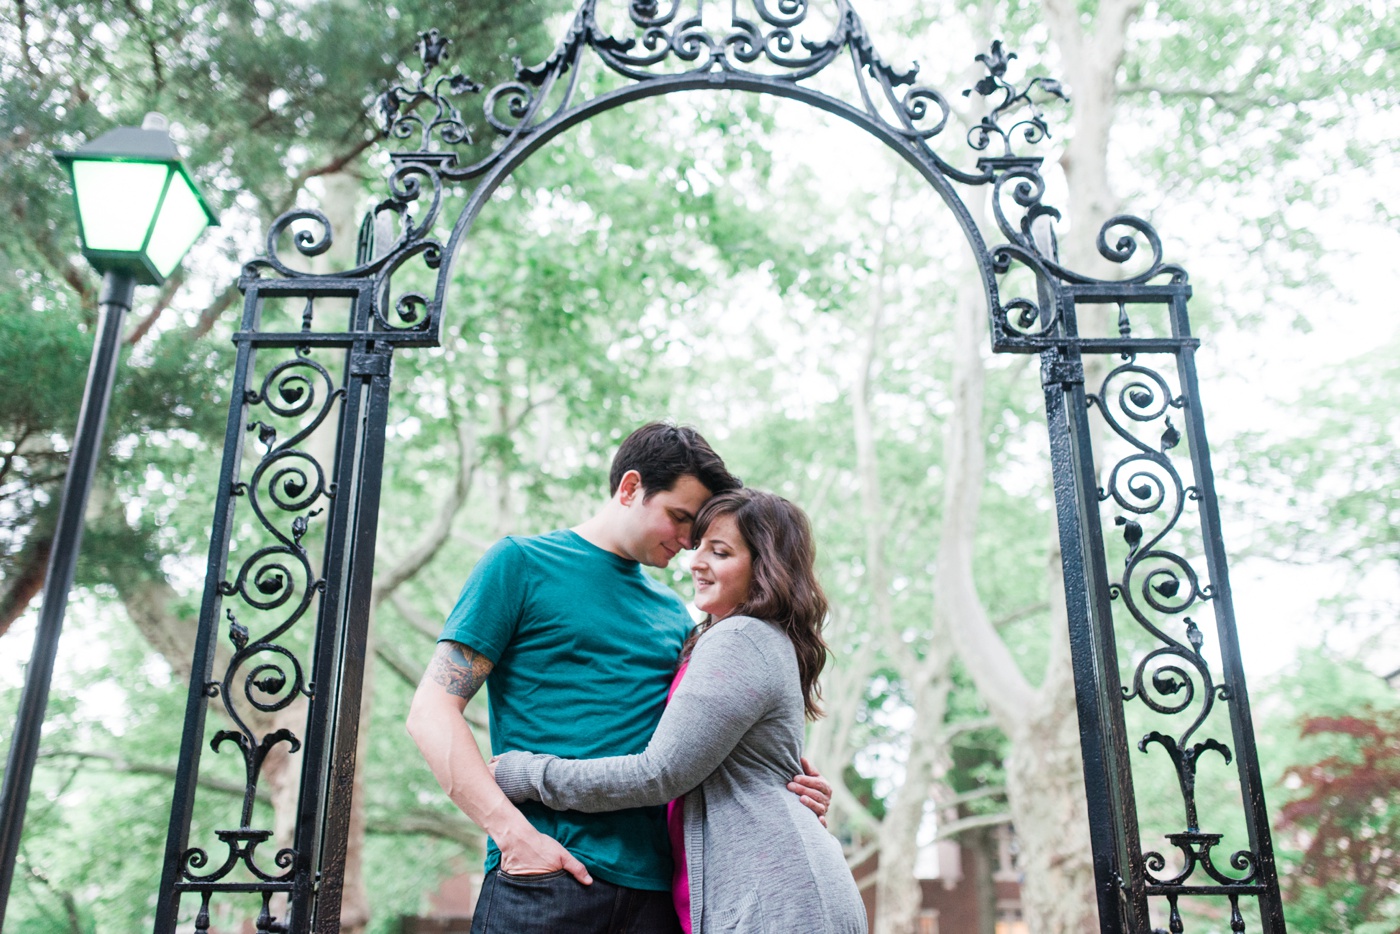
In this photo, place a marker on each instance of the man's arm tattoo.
(460, 669)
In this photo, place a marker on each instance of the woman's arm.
(727, 688)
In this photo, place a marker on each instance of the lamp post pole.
(115, 302)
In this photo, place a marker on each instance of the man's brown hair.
(664, 453)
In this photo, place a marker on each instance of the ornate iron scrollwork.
(1159, 583)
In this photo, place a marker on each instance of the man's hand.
(813, 790)
(527, 852)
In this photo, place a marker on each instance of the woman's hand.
(491, 766)
(812, 789)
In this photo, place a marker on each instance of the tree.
(1349, 821)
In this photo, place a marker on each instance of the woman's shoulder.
(763, 633)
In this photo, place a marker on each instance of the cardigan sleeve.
(727, 688)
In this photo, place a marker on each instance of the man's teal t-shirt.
(585, 647)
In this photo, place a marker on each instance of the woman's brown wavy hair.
(784, 590)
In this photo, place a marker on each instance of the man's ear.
(630, 487)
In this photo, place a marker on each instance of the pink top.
(675, 824)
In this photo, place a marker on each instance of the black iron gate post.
(1139, 660)
(290, 499)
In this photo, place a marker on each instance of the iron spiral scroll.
(1158, 587)
(264, 600)
(290, 626)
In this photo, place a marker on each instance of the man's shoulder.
(557, 545)
(543, 543)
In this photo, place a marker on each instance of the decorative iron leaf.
(225, 736)
(1142, 490)
(432, 46)
(291, 392)
(266, 433)
(270, 584)
(997, 61)
(1194, 635)
(1168, 586)
(1132, 533)
(272, 683)
(388, 107)
(1171, 437)
(1213, 744)
(1141, 398)
(237, 632)
(279, 736)
(1167, 743)
(294, 486)
(461, 84)
(1167, 681)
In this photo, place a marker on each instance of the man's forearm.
(451, 751)
(435, 722)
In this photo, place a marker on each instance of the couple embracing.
(648, 775)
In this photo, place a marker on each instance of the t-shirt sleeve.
(489, 607)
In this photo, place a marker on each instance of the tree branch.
(75, 278)
(336, 164)
(26, 50)
(440, 529)
(947, 831)
(162, 302)
(415, 619)
(217, 307)
(1017, 615)
(990, 791)
(957, 729)
(120, 763)
(451, 826)
(24, 585)
(984, 653)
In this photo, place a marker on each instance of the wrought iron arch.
(292, 505)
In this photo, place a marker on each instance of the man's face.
(658, 527)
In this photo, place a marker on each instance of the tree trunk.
(1045, 790)
(27, 579)
(897, 892)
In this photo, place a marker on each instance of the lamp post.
(138, 214)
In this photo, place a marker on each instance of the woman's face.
(722, 569)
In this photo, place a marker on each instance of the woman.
(750, 858)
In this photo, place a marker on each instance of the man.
(580, 647)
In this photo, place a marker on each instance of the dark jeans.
(557, 903)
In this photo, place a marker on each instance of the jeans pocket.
(527, 877)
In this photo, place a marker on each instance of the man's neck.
(598, 530)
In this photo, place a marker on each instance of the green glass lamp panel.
(116, 201)
(182, 219)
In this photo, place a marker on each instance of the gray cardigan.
(759, 862)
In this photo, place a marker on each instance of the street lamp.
(138, 214)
